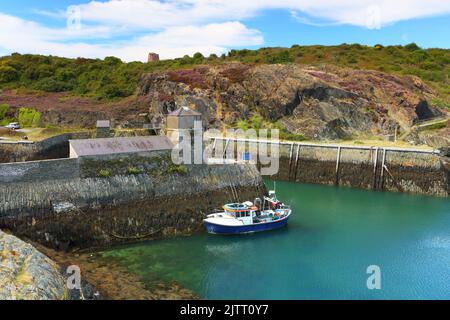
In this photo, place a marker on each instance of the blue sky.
(131, 28)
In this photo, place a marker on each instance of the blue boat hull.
(220, 229)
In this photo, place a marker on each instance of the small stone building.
(152, 57)
(103, 128)
(180, 120)
(118, 146)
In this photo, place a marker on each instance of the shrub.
(52, 85)
(4, 109)
(114, 91)
(292, 136)
(104, 173)
(8, 74)
(133, 170)
(412, 47)
(198, 56)
(177, 169)
(441, 104)
(281, 57)
(436, 126)
(113, 60)
(29, 117)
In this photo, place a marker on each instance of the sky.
(129, 29)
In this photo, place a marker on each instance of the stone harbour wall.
(51, 148)
(102, 202)
(411, 171)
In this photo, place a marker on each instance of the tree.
(113, 60)
(29, 117)
(198, 56)
(412, 46)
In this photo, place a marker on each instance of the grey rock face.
(319, 102)
(27, 274)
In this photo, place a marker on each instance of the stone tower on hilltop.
(152, 57)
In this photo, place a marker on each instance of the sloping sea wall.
(86, 202)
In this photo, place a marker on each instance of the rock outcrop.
(319, 102)
(27, 274)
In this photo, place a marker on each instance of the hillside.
(111, 78)
(303, 101)
(313, 92)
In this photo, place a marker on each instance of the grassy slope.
(111, 79)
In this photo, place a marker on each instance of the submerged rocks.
(27, 274)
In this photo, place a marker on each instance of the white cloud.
(130, 28)
(30, 37)
(159, 14)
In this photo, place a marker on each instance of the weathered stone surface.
(27, 274)
(405, 171)
(159, 199)
(51, 148)
(319, 102)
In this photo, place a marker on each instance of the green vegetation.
(436, 126)
(257, 122)
(133, 170)
(113, 79)
(104, 173)
(158, 166)
(29, 117)
(177, 169)
(4, 109)
(441, 104)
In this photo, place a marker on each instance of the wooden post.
(225, 150)
(337, 165)
(374, 177)
(296, 162)
(290, 161)
(382, 169)
(213, 151)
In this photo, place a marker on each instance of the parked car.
(13, 126)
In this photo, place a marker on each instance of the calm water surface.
(332, 237)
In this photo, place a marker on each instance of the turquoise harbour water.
(333, 236)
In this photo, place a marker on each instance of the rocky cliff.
(318, 102)
(27, 274)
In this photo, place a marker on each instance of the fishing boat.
(248, 217)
